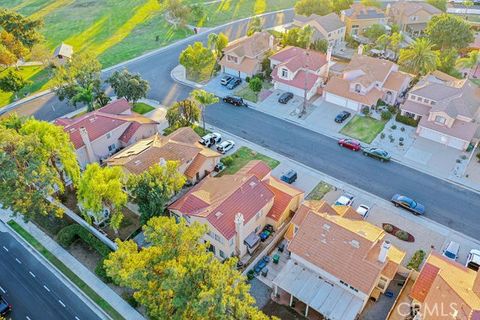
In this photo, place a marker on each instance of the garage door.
(230, 71)
(442, 138)
(353, 105)
(284, 87)
(335, 99)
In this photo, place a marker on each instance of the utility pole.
(305, 84)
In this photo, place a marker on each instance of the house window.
(358, 88)
(413, 18)
(284, 73)
(231, 242)
(295, 229)
(218, 238)
(108, 135)
(426, 101)
(440, 119)
(187, 218)
(382, 283)
(432, 103)
(419, 99)
(232, 58)
(111, 148)
(210, 234)
(222, 254)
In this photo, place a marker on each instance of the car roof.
(453, 246)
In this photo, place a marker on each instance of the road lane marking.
(28, 318)
(1, 289)
(20, 262)
(61, 302)
(31, 273)
(46, 288)
(5, 248)
(77, 318)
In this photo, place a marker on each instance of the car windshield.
(450, 255)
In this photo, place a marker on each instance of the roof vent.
(137, 162)
(73, 129)
(362, 233)
(218, 214)
(323, 241)
(355, 244)
(326, 227)
(252, 184)
(92, 119)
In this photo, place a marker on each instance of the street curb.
(66, 281)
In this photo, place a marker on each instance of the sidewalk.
(80, 270)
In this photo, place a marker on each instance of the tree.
(152, 189)
(418, 57)
(36, 158)
(467, 4)
(255, 84)
(446, 60)
(79, 80)
(197, 60)
(12, 82)
(203, 98)
(217, 42)
(320, 45)
(183, 113)
(7, 58)
(254, 25)
(40, 52)
(375, 31)
(177, 278)
(309, 7)
(440, 4)
(128, 85)
(391, 42)
(177, 10)
(298, 37)
(101, 188)
(470, 61)
(449, 31)
(371, 3)
(197, 11)
(339, 5)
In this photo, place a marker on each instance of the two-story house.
(338, 261)
(243, 57)
(411, 16)
(236, 207)
(364, 81)
(359, 18)
(195, 160)
(328, 27)
(448, 109)
(296, 70)
(100, 133)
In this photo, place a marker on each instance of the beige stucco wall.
(362, 24)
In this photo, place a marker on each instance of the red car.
(350, 144)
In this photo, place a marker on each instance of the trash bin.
(276, 258)
(264, 272)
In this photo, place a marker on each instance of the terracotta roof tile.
(256, 167)
(341, 87)
(116, 107)
(195, 166)
(280, 204)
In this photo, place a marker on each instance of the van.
(451, 251)
(473, 260)
(289, 177)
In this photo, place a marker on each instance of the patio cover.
(252, 240)
(332, 301)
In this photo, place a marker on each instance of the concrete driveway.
(215, 86)
(271, 105)
(323, 116)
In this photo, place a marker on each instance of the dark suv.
(235, 101)
(285, 97)
(5, 308)
(342, 116)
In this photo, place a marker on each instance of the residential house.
(445, 289)
(448, 109)
(338, 261)
(364, 81)
(411, 16)
(236, 207)
(296, 70)
(328, 27)
(195, 160)
(243, 57)
(99, 134)
(62, 54)
(358, 18)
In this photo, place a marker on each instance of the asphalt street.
(35, 292)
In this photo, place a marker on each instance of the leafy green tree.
(298, 37)
(470, 61)
(440, 4)
(308, 7)
(217, 42)
(12, 82)
(197, 60)
(177, 278)
(177, 10)
(320, 45)
(100, 188)
(128, 85)
(449, 31)
(254, 25)
(446, 60)
(375, 31)
(467, 4)
(255, 84)
(371, 3)
(197, 12)
(418, 57)
(152, 189)
(339, 5)
(37, 158)
(183, 113)
(7, 58)
(203, 98)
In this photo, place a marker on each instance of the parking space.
(323, 116)
(272, 106)
(218, 89)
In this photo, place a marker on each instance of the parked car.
(473, 260)
(451, 251)
(261, 264)
(210, 139)
(264, 235)
(225, 146)
(350, 144)
(226, 79)
(376, 153)
(289, 177)
(363, 210)
(5, 307)
(233, 83)
(409, 204)
(342, 116)
(268, 227)
(236, 101)
(345, 200)
(219, 167)
(285, 97)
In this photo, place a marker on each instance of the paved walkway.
(80, 270)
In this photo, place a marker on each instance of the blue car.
(409, 204)
(264, 235)
(261, 264)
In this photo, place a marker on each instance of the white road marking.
(28, 318)
(61, 302)
(77, 318)
(31, 273)
(46, 288)
(5, 248)
(20, 262)
(1, 289)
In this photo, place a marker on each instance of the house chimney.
(329, 61)
(360, 50)
(271, 42)
(387, 10)
(382, 255)
(239, 221)
(88, 145)
(342, 15)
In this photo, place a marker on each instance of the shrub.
(392, 109)
(227, 160)
(386, 115)
(130, 299)
(402, 129)
(401, 139)
(255, 84)
(247, 79)
(394, 127)
(402, 235)
(478, 156)
(406, 120)
(366, 111)
(416, 260)
(400, 143)
(382, 135)
(388, 227)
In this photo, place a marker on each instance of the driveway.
(271, 105)
(216, 88)
(323, 117)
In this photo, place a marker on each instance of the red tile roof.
(128, 134)
(282, 201)
(256, 167)
(424, 282)
(116, 107)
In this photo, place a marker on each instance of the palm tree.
(203, 98)
(418, 57)
(470, 61)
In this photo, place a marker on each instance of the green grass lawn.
(142, 108)
(476, 81)
(247, 93)
(65, 270)
(242, 156)
(319, 191)
(363, 128)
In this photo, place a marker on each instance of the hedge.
(416, 260)
(406, 120)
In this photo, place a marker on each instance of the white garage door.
(442, 138)
(335, 99)
(353, 105)
(231, 71)
(285, 87)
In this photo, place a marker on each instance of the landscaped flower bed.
(397, 232)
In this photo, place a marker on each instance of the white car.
(345, 200)
(363, 210)
(473, 260)
(210, 139)
(225, 146)
(451, 251)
